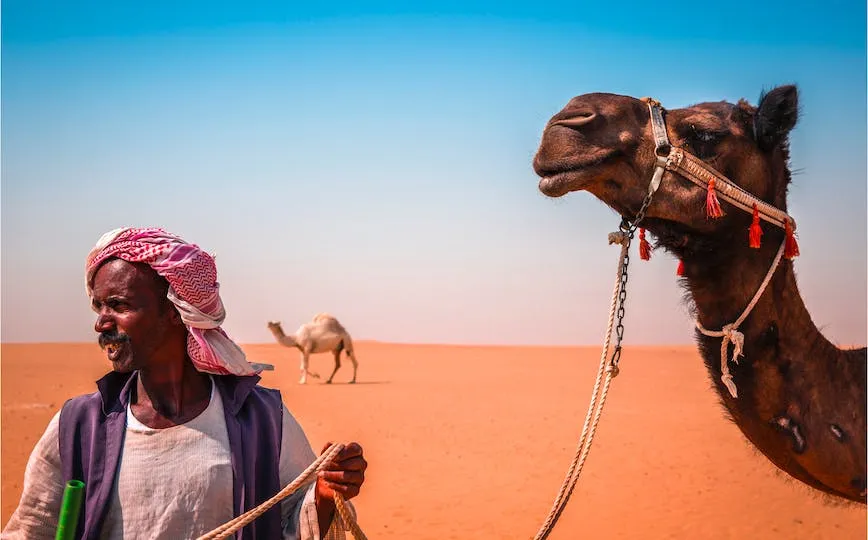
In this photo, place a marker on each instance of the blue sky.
(374, 160)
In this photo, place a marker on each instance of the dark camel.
(801, 400)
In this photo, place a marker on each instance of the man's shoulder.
(245, 392)
(84, 409)
(265, 391)
(82, 402)
(269, 397)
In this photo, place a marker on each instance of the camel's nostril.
(577, 120)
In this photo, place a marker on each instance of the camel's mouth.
(558, 185)
(557, 177)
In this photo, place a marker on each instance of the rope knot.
(730, 335)
(736, 338)
(618, 237)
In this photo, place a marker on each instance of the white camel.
(323, 334)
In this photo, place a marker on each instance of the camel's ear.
(776, 115)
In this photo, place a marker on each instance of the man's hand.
(344, 474)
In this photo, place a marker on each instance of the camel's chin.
(558, 185)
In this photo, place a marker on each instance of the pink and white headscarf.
(193, 288)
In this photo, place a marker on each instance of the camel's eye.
(702, 142)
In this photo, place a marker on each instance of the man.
(179, 438)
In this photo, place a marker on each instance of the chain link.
(629, 228)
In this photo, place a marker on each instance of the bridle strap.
(700, 173)
(692, 168)
(662, 146)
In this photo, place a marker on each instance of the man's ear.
(776, 115)
(174, 316)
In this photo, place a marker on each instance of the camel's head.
(274, 325)
(604, 144)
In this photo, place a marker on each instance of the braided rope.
(587, 437)
(230, 527)
(589, 429)
(348, 522)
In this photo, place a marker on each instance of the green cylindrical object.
(69, 510)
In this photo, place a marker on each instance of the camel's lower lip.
(558, 185)
(559, 180)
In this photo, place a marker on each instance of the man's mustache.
(112, 338)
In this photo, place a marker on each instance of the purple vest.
(92, 428)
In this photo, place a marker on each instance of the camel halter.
(688, 166)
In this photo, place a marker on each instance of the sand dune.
(474, 442)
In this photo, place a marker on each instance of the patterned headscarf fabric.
(193, 289)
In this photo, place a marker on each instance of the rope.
(230, 527)
(583, 449)
(348, 522)
(730, 333)
(584, 446)
(589, 429)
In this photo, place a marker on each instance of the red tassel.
(680, 269)
(644, 246)
(712, 205)
(791, 249)
(756, 231)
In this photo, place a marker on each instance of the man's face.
(133, 315)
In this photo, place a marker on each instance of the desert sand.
(474, 442)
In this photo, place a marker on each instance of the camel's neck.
(282, 338)
(723, 287)
(801, 400)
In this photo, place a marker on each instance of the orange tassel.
(791, 249)
(680, 269)
(644, 246)
(756, 231)
(712, 205)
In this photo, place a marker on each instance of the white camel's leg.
(304, 361)
(352, 356)
(337, 354)
(306, 364)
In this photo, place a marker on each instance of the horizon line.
(843, 346)
(400, 343)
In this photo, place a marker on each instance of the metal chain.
(628, 229)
